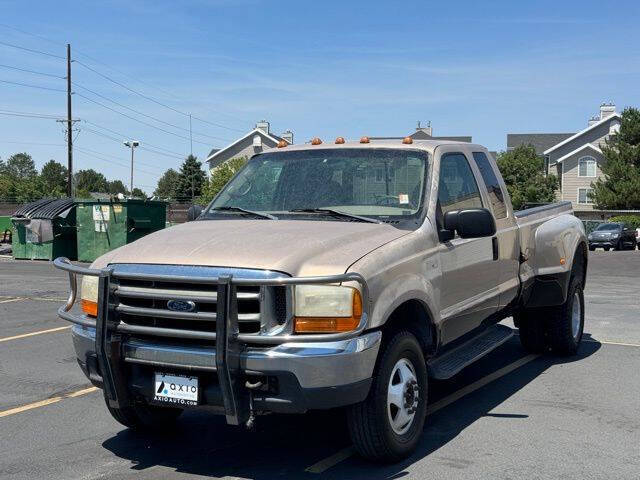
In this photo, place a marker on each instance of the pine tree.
(191, 179)
(620, 186)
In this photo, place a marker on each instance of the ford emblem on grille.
(181, 305)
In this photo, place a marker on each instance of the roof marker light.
(407, 140)
(339, 140)
(282, 143)
(364, 139)
(316, 141)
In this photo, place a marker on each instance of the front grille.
(144, 302)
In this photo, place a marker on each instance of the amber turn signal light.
(90, 308)
(331, 324)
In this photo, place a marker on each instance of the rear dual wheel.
(558, 328)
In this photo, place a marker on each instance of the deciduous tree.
(523, 172)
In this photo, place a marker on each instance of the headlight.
(615, 235)
(89, 295)
(326, 309)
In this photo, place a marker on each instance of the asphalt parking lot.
(512, 415)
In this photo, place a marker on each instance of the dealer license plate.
(175, 389)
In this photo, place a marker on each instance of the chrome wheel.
(402, 396)
(576, 314)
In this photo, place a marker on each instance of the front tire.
(144, 417)
(387, 426)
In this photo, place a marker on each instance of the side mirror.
(470, 223)
(193, 212)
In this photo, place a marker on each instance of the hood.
(296, 247)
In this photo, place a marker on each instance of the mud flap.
(236, 404)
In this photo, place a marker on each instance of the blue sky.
(318, 68)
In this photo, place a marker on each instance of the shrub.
(631, 220)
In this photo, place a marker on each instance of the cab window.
(457, 188)
(496, 196)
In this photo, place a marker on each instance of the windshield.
(608, 226)
(379, 183)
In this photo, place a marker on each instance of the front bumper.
(601, 243)
(239, 373)
(304, 375)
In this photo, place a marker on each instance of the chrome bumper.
(315, 365)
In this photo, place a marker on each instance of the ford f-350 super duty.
(330, 275)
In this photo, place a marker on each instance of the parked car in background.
(614, 235)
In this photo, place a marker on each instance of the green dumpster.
(5, 226)
(107, 224)
(44, 230)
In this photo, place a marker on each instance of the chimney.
(263, 125)
(288, 136)
(606, 110)
(594, 119)
(426, 129)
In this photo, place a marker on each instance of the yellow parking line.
(607, 342)
(40, 332)
(48, 401)
(12, 300)
(347, 452)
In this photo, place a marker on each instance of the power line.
(17, 142)
(122, 135)
(84, 152)
(138, 120)
(33, 86)
(130, 89)
(151, 99)
(148, 116)
(31, 50)
(31, 71)
(117, 158)
(11, 27)
(93, 59)
(13, 113)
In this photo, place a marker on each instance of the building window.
(587, 167)
(585, 196)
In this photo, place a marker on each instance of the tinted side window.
(457, 188)
(496, 197)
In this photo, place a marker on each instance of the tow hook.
(250, 423)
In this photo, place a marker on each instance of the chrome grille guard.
(228, 340)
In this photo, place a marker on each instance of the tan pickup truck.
(330, 275)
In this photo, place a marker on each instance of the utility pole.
(190, 135)
(69, 127)
(131, 144)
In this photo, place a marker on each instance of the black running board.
(453, 361)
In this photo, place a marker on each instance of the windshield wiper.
(334, 213)
(243, 210)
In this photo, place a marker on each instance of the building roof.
(582, 132)
(214, 153)
(540, 141)
(580, 148)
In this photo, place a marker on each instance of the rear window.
(493, 186)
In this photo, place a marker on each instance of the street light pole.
(132, 144)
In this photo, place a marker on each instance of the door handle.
(494, 244)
